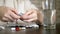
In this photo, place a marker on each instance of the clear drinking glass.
(49, 11)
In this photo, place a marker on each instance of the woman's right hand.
(10, 14)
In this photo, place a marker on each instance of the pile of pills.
(18, 28)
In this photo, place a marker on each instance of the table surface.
(40, 30)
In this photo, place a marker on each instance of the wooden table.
(40, 30)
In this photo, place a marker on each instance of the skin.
(8, 14)
(11, 14)
(30, 15)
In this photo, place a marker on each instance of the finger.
(28, 12)
(9, 17)
(14, 16)
(14, 10)
(31, 20)
(5, 19)
(29, 16)
(33, 15)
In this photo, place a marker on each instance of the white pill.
(12, 28)
(23, 28)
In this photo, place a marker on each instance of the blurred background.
(58, 16)
(58, 10)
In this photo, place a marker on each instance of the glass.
(48, 8)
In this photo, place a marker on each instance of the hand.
(29, 16)
(10, 15)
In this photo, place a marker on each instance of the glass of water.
(49, 11)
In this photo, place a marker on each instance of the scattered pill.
(17, 29)
(13, 29)
(22, 28)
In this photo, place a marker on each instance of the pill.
(22, 28)
(17, 29)
(12, 29)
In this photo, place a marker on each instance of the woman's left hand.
(30, 15)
